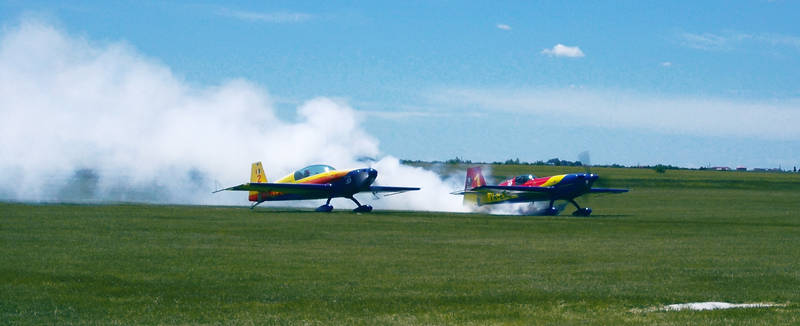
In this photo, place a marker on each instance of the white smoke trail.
(434, 196)
(82, 121)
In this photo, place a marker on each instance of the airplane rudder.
(257, 173)
(474, 178)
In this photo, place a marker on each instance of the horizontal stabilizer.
(289, 188)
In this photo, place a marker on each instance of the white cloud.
(774, 120)
(269, 17)
(561, 50)
(666, 64)
(504, 27)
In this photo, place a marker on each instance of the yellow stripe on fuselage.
(554, 180)
(324, 177)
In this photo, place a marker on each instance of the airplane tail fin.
(257, 173)
(474, 179)
(256, 176)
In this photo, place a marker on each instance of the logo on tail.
(474, 178)
(256, 176)
(257, 173)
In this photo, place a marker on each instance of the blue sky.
(634, 82)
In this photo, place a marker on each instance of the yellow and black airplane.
(315, 182)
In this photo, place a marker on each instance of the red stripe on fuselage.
(537, 182)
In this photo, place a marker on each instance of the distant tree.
(458, 160)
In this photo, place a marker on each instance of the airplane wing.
(393, 190)
(518, 189)
(483, 189)
(607, 190)
(286, 188)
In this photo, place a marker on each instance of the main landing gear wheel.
(363, 209)
(582, 212)
(325, 208)
(586, 211)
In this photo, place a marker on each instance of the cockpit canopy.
(312, 170)
(523, 179)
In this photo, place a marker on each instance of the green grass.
(681, 236)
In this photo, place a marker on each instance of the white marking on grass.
(715, 305)
(700, 306)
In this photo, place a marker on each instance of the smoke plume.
(89, 122)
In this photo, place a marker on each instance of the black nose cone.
(362, 178)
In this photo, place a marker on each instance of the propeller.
(586, 162)
(366, 159)
(583, 157)
(369, 161)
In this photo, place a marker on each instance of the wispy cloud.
(776, 120)
(732, 40)
(561, 50)
(281, 17)
(779, 40)
(403, 115)
(705, 41)
(394, 115)
(504, 27)
(666, 64)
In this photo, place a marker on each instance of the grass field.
(677, 237)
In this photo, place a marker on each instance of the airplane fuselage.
(344, 183)
(564, 187)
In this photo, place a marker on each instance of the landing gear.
(360, 208)
(363, 209)
(586, 211)
(552, 211)
(255, 204)
(325, 208)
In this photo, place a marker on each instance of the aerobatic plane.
(528, 188)
(315, 182)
